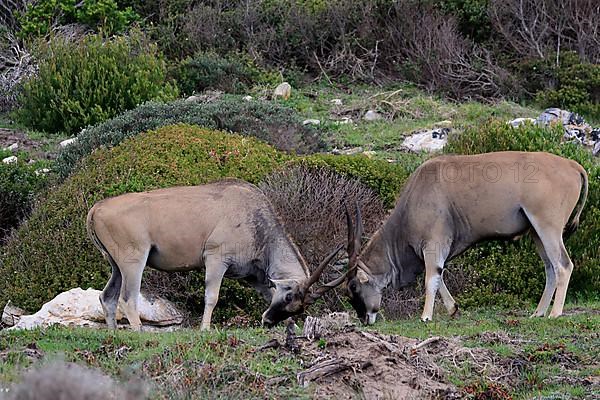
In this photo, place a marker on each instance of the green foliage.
(88, 81)
(578, 90)
(472, 16)
(271, 122)
(230, 74)
(51, 252)
(102, 15)
(384, 178)
(506, 273)
(18, 186)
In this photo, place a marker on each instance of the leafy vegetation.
(90, 80)
(19, 183)
(104, 15)
(273, 123)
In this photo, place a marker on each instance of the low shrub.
(87, 81)
(212, 71)
(51, 252)
(310, 201)
(273, 123)
(578, 90)
(19, 185)
(505, 273)
(106, 15)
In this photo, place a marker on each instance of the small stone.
(372, 115)
(193, 99)
(12, 147)
(521, 121)
(337, 102)
(369, 153)
(311, 122)
(42, 171)
(10, 160)
(345, 120)
(67, 142)
(248, 98)
(11, 314)
(348, 152)
(284, 90)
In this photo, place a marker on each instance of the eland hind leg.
(549, 229)
(132, 266)
(109, 298)
(550, 286)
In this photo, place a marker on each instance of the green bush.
(88, 81)
(104, 15)
(578, 90)
(510, 272)
(19, 184)
(212, 71)
(51, 252)
(271, 122)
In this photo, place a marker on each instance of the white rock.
(193, 98)
(10, 160)
(372, 115)
(42, 171)
(248, 98)
(424, 141)
(311, 122)
(521, 121)
(337, 102)
(284, 90)
(347, 152)
(78, 307)
(345, 120)
(12, 147)
(67, 142)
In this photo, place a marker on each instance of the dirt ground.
(348, 363)
(35, 148)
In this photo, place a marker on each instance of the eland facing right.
(451, 203)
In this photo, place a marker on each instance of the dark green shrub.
(19, 184)
(509, 272)
(51, 252)
(472, 16)
(104, 15)
(577, 89)
(271, 122)
(212, 71)
(88, 81)
(384, 178)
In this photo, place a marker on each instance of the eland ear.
(362, 276)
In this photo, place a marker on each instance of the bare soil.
(33, 147)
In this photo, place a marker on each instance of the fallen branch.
(321, 370)
(426, 342)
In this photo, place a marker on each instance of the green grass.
(408, 109)
(229, 363)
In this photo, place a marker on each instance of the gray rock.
(12, 147)
(428, 141)
(11, 314)
(372, 115)
(284, 90)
